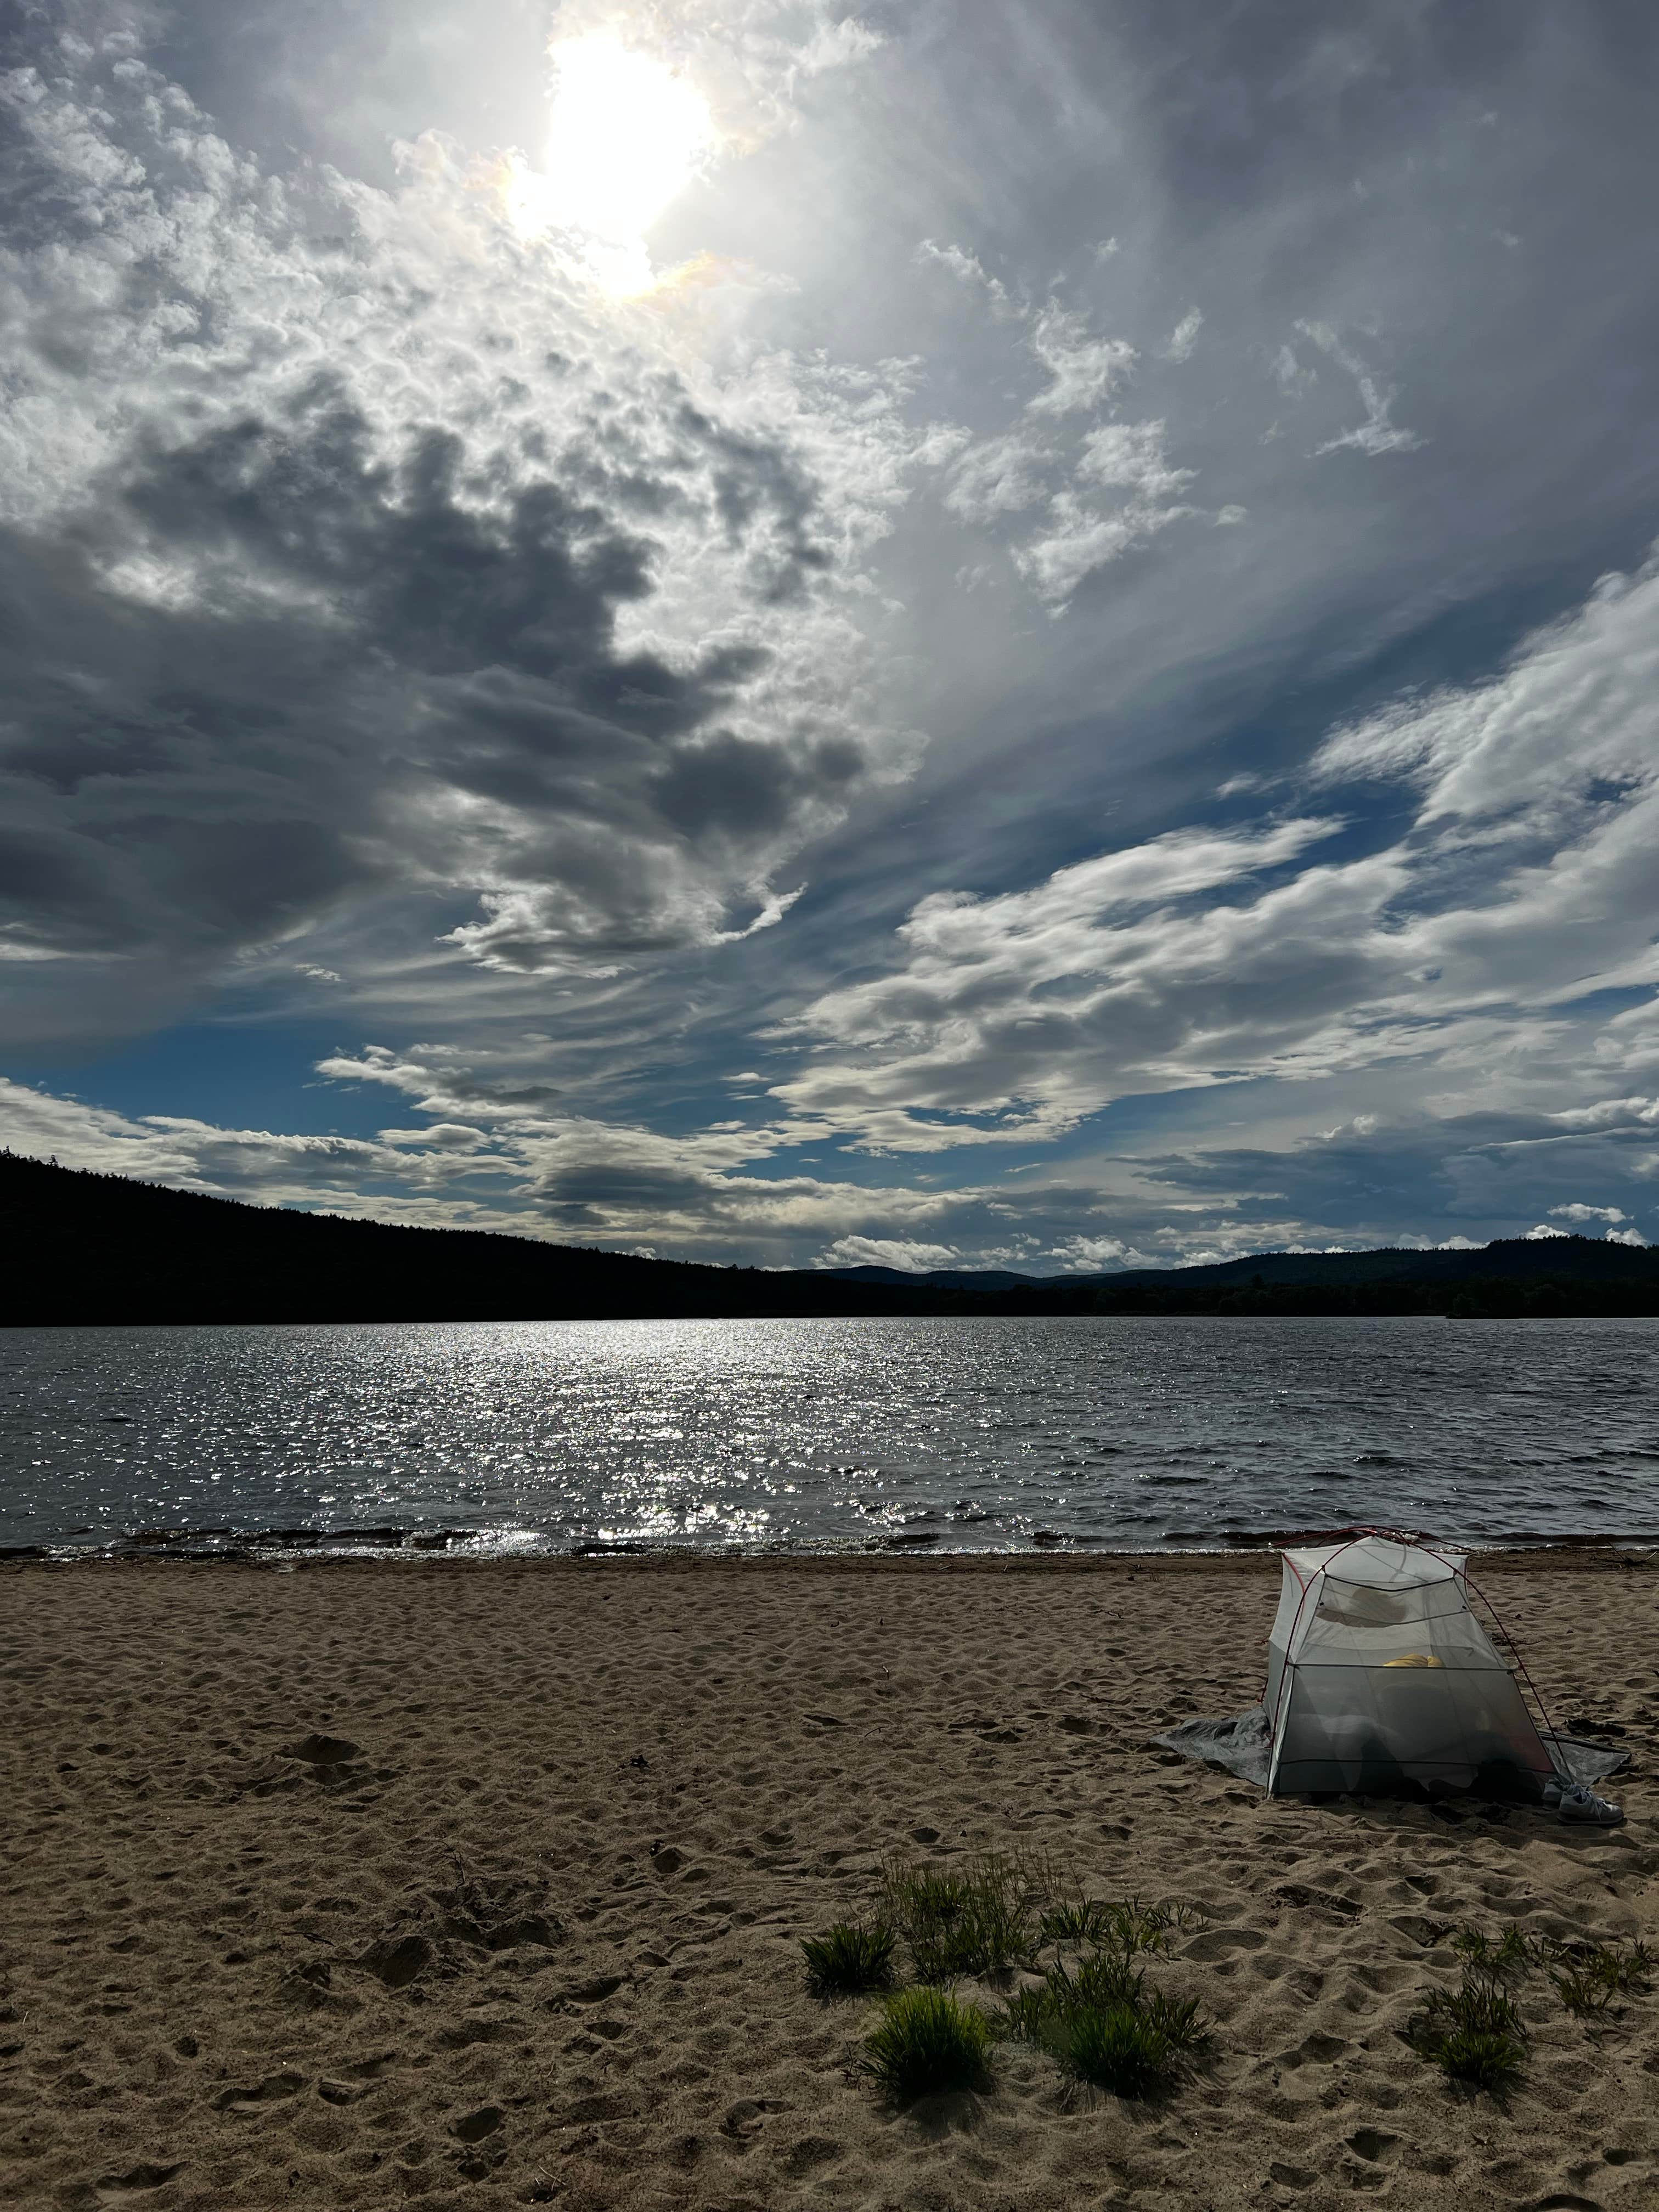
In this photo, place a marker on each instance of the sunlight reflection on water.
(958, 1434)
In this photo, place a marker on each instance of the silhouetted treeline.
(82, 1248)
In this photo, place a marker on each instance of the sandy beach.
(349, 1885)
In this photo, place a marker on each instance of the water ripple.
(971, 1435)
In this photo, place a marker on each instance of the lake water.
(960, 1434)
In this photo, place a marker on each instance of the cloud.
(1101, 1254)
(1017, 1015)
(1079, 536)
(1184, 337)
(888, 1252)
(998, 477)
(1083, 369)
(1051, 467)
(1200, 958)
(464, 586)
(1578, 1213)
(969, 269)
(1561, 738)
(1376, 434)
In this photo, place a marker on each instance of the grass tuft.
(1102, 2025)
(1178, 2020)
(977, 1918)
(927, 2041)
(849, 1958)
(1126, 1925)
(1505, 1957)
(1079, 1924)
(1093, 2012)
(1480, 2060)
(1025, 2016)
(1587, 1976)
(1115, 2047)
(1474, 2034)
(1107, 1978)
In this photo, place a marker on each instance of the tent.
(1381, 1677)
(1378, 1672)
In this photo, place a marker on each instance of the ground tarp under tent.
(1381, 1680)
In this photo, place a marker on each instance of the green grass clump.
(1125, 1924)
(1480, 2060)
(1179, 2020)
(927, 2041)
(1107, 1978)
(1024, 2017)
(1474, 2034)
(1506, 1957)
(977, 1918)
(1587, 1976)
(1080, 1923)
(1100, 2022)
(849, 1958)
(1113, 2047)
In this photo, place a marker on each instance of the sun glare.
(626, 135)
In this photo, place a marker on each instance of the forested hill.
(82, 1248)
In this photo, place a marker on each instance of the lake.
(949, 1434)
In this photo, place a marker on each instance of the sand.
(351, 1885)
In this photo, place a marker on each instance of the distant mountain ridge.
(1581, 1257)
(84, 1249)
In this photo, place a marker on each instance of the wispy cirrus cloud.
(1378, 433)
(1204, 957)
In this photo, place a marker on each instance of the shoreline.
(267, 1551)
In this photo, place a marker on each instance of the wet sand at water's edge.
(360, 1884)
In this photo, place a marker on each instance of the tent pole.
(1549, 1728)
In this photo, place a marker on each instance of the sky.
(1017, 636)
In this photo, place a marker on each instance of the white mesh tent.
(1378, 1673)
(1381, 1679)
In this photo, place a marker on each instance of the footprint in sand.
(748, 2116)
(306, 1986)
(1219, 1942)
(1315, 2050)
(473, 2127)
(137, 2181)
(1374, 2145)
(323, 1751)
(398, 1963)
(272, 2091)
(600, 1987)
(809, 2154)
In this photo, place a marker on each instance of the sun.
(625, 135)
